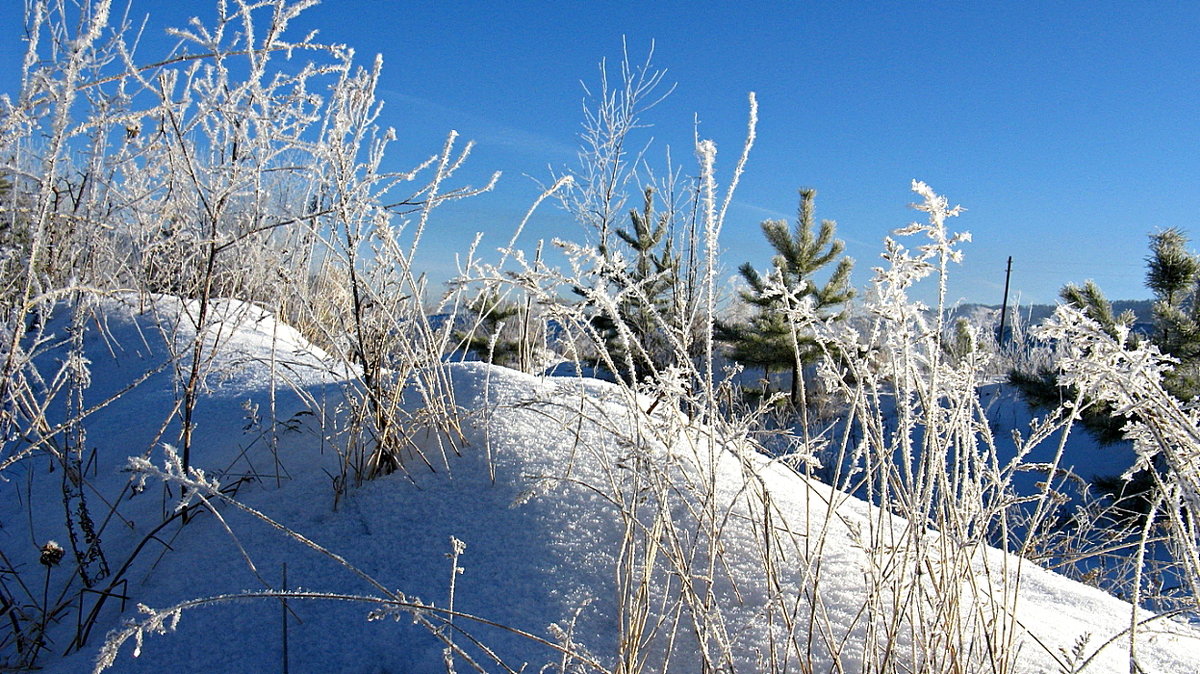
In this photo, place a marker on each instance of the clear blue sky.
(1069, 131)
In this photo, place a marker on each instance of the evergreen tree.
(1171, 269)
(1041, 388)
(962, 343)
(654, 274)
(768, 341)
(1092, 302)
(649, 305)
(1173, 273)
(485, 338)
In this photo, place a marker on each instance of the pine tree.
(1171, 269)
(649, 233)
(1041, 388)
(1173, 274)
(654, 274)
(767, 341)
(485, 338)
(1092, 302)
(648, 287)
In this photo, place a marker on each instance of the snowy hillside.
(187, 483)
(586, 523)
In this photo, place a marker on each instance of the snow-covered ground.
(546, 480)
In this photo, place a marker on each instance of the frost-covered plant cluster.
(248, 166)
(245, 163)
(1164, 430)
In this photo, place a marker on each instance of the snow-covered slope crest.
(633, 540)
(741, 563)
(129, 335)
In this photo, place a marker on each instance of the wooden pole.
(1004, 307)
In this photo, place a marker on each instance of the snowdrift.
(587, 520)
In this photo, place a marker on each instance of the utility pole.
(1004, 307)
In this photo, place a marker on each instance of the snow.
(541, 487)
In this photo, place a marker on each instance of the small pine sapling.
(647, 287)
(1172, 272)
(769, 340)
(485, 338)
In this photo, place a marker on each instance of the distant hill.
(1032, 314)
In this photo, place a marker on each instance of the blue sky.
(1068, 130)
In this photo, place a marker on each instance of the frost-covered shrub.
(1129, 375)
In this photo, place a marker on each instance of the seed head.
(52, 554)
